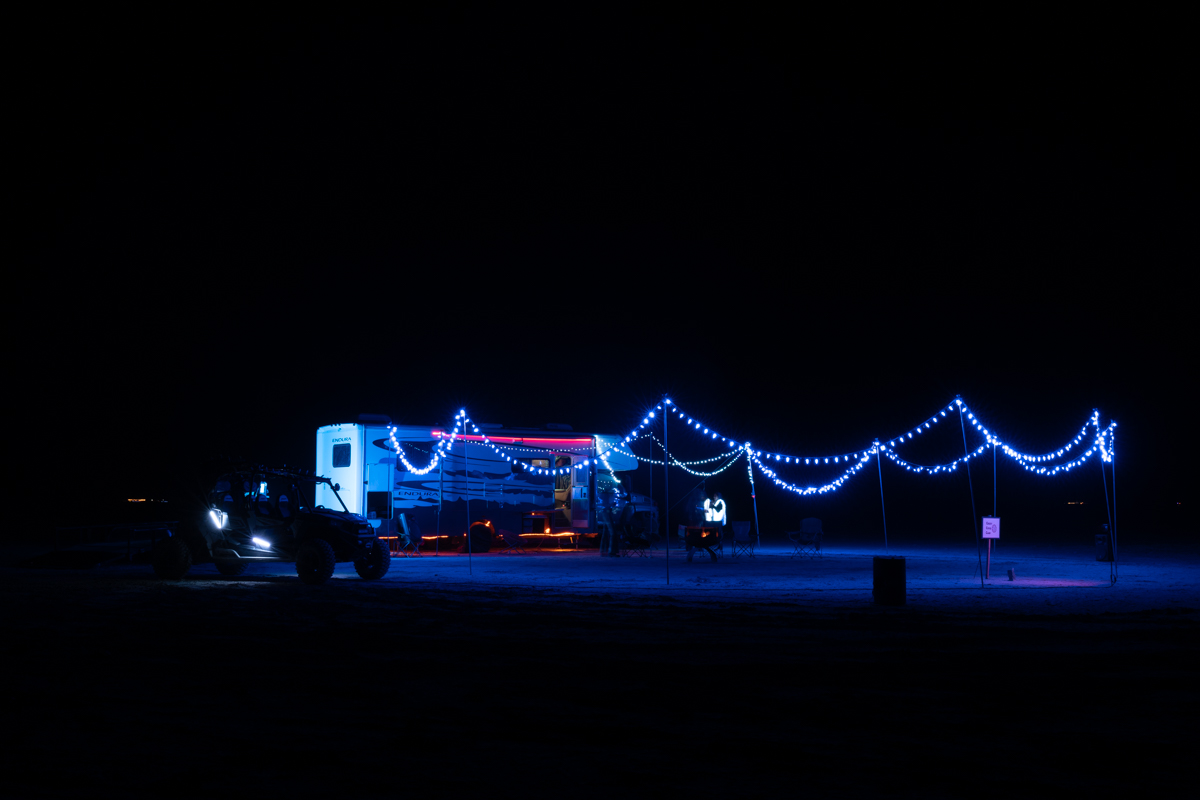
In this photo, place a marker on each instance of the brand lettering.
(335, 441)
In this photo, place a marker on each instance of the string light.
(686, 466)
(461, 419)
(1042, 464)
(949, 467)
(437, 456)
(833, 485)
(1101, 442)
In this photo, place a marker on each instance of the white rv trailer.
(376, 483)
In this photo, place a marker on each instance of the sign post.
(991, 530)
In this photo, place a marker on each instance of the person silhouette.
(714, 517)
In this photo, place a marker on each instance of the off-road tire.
(374, 565)
(172, 558)
(231, 567)
(315, 561)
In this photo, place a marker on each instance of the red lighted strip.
(513, 439)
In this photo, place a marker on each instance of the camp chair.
(634, 544)
(512, 543)
(412, 536)
(742, 543)
(807, 540)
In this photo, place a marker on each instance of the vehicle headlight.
(263, 543)
(218, 517)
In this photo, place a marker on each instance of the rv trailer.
(504, 484)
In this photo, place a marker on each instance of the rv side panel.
(340, 458)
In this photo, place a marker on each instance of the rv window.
(341, 455)
(562, 481)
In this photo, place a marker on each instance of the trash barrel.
(1103, 546)
(889, 587)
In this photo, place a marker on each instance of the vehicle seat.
(263, 506)
(285, 508)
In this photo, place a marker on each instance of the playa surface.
(567, 672)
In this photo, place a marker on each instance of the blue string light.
(686, 466)
(462, 419)
(1102, 442)
(832, 486)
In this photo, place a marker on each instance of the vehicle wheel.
(315, 561)
(172, 558)
(231, 567)
(376, 562)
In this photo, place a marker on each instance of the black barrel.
(889, 580)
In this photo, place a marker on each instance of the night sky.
(807, 234)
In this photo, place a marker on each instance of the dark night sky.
(811, 234)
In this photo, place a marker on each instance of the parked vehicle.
(258, 514)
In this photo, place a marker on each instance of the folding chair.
(633, 544)
(807, 540)
(742, 543)
(512, 543)
(412, 536)
(394, 544)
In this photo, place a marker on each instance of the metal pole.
(970, 487)
(1113, 453)
(666, 490)
(1107, 507)
(753, 498)
(467, 486)
(882, 507)
(437, 542)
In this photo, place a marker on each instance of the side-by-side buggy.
(260, 514)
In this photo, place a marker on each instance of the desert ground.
(564, 673)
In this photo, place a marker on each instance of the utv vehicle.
(259, 514)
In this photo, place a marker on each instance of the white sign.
(991, 527)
